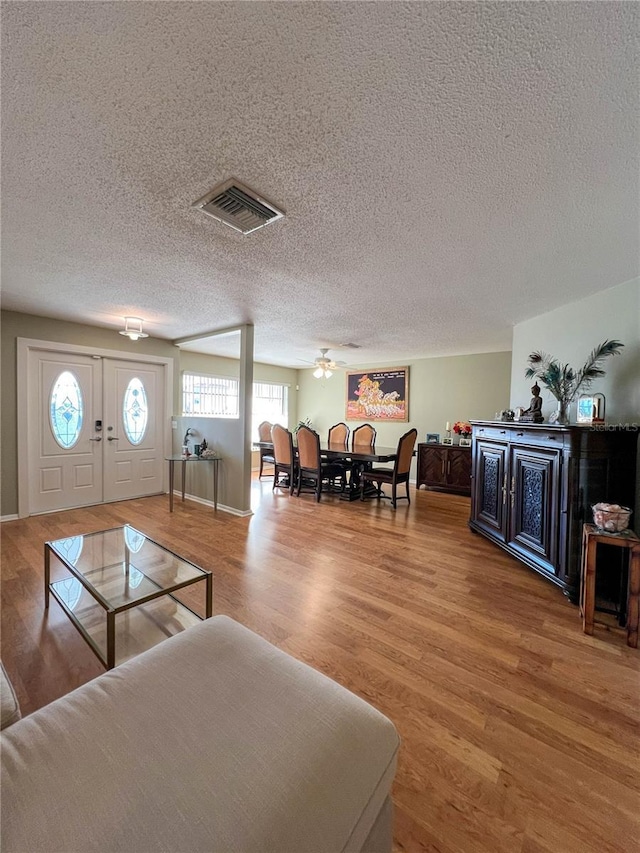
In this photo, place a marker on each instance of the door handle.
(113, 438)
(99, 438)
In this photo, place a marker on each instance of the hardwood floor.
(519, 732)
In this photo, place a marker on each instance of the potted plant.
(563, 381)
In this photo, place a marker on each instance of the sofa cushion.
(214, 740)
(9, 705)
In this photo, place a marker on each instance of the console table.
(214, 460)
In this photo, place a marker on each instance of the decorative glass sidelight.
(66, 410)
(135, 411)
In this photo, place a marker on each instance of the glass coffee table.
(121, 593)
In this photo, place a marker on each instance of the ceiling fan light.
(318, 373)
(133, 328)
(327, 374)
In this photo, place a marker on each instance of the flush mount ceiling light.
(133, 328)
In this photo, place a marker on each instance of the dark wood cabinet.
(533, 486)
(444, 468)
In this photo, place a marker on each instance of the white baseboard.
(230, 509)
(9, 518)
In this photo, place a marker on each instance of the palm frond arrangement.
(562, 380)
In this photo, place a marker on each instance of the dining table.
(360, 457)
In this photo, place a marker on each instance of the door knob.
(112, 438)
(99, 438)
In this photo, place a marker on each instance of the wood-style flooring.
(519, 732)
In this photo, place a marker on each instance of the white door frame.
(24, 345)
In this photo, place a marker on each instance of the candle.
(448, 427)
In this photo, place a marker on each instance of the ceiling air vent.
(238, 206)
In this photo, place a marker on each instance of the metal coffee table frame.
(110, 610)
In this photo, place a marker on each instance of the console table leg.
(633, 610)
(589, 600)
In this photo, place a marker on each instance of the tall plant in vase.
(563, 381)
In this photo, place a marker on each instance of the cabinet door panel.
(459, 469)
(489, 488)
(533, 527)
(431, 465)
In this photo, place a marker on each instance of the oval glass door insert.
(66, 410)
(135, 411)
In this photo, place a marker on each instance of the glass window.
(210, 396)
(217, 397)
(66, 409)
(270, 403)
(135, 412)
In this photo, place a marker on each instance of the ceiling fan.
(325, 365)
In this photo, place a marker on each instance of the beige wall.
(221, 433)
(440, 389)
(13, 326)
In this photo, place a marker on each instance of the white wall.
(570, 333)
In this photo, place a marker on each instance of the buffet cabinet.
(444, 468)
(532, 487)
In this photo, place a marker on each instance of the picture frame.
(381, 394)
(590, 409)
(447, 440)
(433, 438)
(465, 442)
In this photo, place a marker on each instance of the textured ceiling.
(447, 169)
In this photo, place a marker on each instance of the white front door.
(65, 452)
(133, 435)
(95, 429)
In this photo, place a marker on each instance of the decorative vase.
(563, 412)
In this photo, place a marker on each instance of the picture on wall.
(378, 395)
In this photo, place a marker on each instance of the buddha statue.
(533, 414)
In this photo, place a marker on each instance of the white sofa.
(214, 740)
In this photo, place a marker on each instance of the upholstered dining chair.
(266, 455)
(363, 435)
(311, 469)
(339, 434)
(284, 458)
(398, 474)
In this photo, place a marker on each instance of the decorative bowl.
(612, 518)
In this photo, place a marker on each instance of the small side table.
(591, 538)
(184, 460)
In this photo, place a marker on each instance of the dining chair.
(363, 435)
(312, 470)
(339, 434)
(266, 454)
(398, 474)
(284, 458)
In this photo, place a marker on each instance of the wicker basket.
(611, 518)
